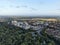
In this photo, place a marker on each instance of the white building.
(23, 25)
(14, 23)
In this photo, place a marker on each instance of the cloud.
(24, 6)
(58, 9)
(17, 6)
(31, 8)
(34, 9)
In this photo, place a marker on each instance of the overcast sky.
(29, 7)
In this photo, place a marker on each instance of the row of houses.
(54, 30)
(28, 25)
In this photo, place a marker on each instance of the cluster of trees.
(11, 35)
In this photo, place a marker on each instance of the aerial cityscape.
(29, 22)
(29, 30)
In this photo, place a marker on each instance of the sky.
(30, 7)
